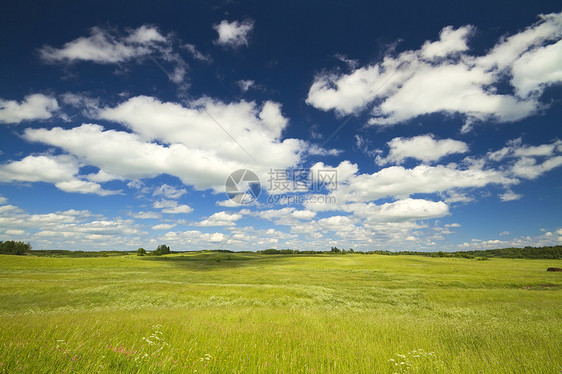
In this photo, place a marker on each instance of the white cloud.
(145, 215)
(441, 77)
(145, 35)
(543, 150)
(192, 49)
(221, 219)
(527, 161)
(15, 232)
(60, 170)
(33, 107)
(338, 224)
(108, 47)
(172, 207)
(227, 204)
(163, 226)
(245, 85)
(397, 181)
(510, 196)
(169, 192)
(9, 208)
(180, 209)
(424, 148)
(451, 42)
(193, 239)
(401, 210)
(89, 105)
(345, 171)
(537, 69)
(453, 225)
(453, 196)
(86, 187)
(104, 48)
(72, 229)
(53, 169)
(169, 138)
(233, 34)
(528, 168)
(288, 216)
(315, 150)
(509, 49)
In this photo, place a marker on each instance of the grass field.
(235, 313)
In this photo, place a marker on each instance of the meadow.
(256, 313)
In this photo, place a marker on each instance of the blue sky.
(370, 126)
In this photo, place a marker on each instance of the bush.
(141, 252)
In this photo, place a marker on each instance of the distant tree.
(11, 247)
(270, 251)
(335, 250)
(162, 250)
(141, 252)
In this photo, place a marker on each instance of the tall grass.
(255, 313)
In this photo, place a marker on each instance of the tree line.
(11, 247)
(549, 252)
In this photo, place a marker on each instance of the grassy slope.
(258, 313)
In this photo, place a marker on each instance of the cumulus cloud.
(288, 216)
(32, 107)
(168, 138)
(424, 148)
(528, 167)
(537, 69)
(172, 207)
(60, 170)
(401, 210)
(451, 42)
(442, 77)
(75, 228)
(193, 239)
(221, 219)
(233, 34)
(397, 181)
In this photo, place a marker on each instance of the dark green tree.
(141, 252)
(162, 250)
(11, 247)
(335, 250)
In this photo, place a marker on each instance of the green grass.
(234, 313)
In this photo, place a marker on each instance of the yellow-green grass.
(233, 313)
